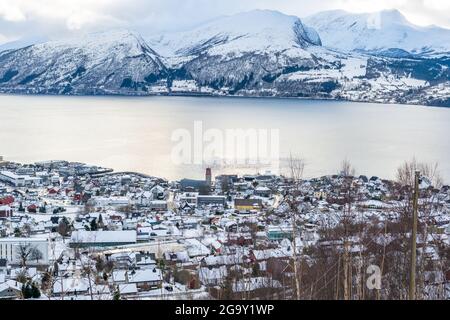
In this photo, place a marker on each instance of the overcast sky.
(56, 18)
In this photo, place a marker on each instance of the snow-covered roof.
(127, 288)
(83, 236)
(10, 284)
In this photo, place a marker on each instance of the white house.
(144, 279)
(111, 201)
(19, 180)
(10, 290)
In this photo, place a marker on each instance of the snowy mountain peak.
(102, 41)
(255, 53)
(389, 17)
(377, 31)
(252, 31)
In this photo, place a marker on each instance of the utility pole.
(412, 276)
(346, 278)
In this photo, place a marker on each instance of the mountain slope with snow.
(100, 61)
(260, 31)
(240, 52)
(377, 31)
(257, 53)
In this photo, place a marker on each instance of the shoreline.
(103, 171)
(194, 95)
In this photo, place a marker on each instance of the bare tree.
(428, 203)
(347, 170)
(36, 254)
(296, 167)
(24, 251)
(406, 172)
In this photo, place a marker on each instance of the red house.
(5, 212)
(32, 208)
(6, 200)
(52, 191)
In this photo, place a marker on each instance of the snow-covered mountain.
(257, 53)
(377, 31)
(100, 61)
(240, 51)
(259, 31)
(22, 42)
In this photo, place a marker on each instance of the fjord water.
(134, 133)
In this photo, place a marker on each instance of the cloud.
(56, 18)
(11, 12)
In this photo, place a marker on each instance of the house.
(240, 239)
(189, 198)
(86, 239)
(143, 199)
(321, 195)
(122, 260)
(10, 290)
(176, 257)
(71, 286)
(158, 193)
(145, 261)
(210, 200)
(32, 208)
(195, 248)
(111, 201)
(5, 201)
(190, 223)
(128, 289)
(262, 191)
(158, 205)
(279, 232)
(144, 279)
(5, 212)
(247, 204)
(19, 180)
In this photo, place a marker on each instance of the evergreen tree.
(100, 221)
(116, 295)
(26, 291)
(17, 232)
(64, 227)
(94, 225)
(35, 292)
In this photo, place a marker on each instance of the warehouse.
(86, 239)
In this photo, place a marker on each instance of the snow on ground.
(351, 67)
(184, 85)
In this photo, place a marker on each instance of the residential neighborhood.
(71, 231)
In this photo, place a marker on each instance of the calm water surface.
(134, 133)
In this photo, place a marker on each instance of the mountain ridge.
(256, 53)
(377, 31)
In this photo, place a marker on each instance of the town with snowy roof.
(71, 231)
